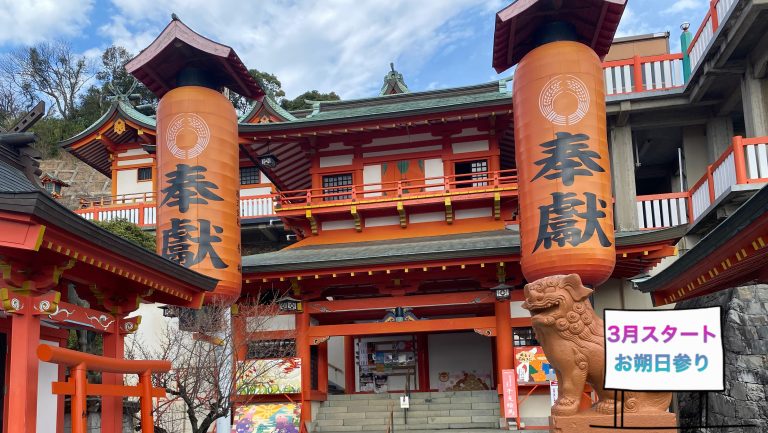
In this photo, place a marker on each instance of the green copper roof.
(124, 108)
(272, 106)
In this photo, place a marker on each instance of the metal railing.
(438, 186)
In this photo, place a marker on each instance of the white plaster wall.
(413, 138)
(46, 401)
(382, 221)
(434, 168)
(127, 182)
(338, 225)
(470, 146)
(403, 151)
(282, 322)
(372, 176)
(133, 152)
(516, 309)
(262, 190)
(473, 213)
(128, 162)
(426, 217)
(153, 323)
(456, 352)
(335, 161)
(607, 295)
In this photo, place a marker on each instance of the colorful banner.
(532, 366)
(509, 393)
(270, 376)
(198, 185)
(561, 149)
(267, 418)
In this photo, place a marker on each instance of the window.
(464, 170)
(49, 186)
(53, 188)
(265, 349)
(249, 175)
(524, 337)
(333, 184)
(145, 173)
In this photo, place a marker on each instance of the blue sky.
(329, 45)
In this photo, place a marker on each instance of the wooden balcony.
(740, 170)
(713, 20)
(397, 194)
(141, 208)
(643, 74)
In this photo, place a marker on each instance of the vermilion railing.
(643, 74)
(662, 210)
(744, 162)
(403, 189)
(144, 212)
(712, 21)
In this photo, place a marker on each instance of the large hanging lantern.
(561, 149)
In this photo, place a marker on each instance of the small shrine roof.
(595, 22)
(393, 83)
(420, 249)
(271, 106)
(178, 47)
(734, 253)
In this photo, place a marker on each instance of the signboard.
(553, 392)
(664, 350)
(532, 366)
(405, 402)
(267, 417)
(509, 392)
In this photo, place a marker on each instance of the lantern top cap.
(178, 49)
(594, 22)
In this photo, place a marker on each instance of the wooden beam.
(415, 301)
(378, 328)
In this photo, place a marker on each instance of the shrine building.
(391, 222)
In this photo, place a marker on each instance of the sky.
(327, 45)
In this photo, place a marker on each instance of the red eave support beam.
(379, 328)
(460, 298)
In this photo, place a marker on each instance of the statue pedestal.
(580, 423)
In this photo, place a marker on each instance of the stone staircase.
(445, 412)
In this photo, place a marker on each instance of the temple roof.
(504, 243)
(595, 22)
(178, 47)
(269, 106)
(734, 253)
(393, 83)
(397, 105)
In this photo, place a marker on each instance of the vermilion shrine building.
(403, 208)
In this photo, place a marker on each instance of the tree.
(129, 231)
(269, 82)
(51, 69)
(201, 345)
(117, 82)
(300, 102)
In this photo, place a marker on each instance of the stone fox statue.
(573, 339)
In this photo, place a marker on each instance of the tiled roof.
(14, 181)
(446, 247)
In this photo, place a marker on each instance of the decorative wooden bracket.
(448, 211)
(486, 332)
(130, 325)
(318, 340)
(312, 221)
(356, 217)
(122, 306)
(46, 304)
(19, 279)
(11, 302)
(401, 213)
(497, 205)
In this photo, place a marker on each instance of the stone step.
(464, 430)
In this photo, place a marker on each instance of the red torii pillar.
(111, 406)
(23, 369)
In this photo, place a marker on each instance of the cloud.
(335, 45)
(27, 22)
(631, 24)
(685, 5)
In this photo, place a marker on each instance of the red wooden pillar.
(422, 358)
(303, 353)
(22, 383)
(504, 351)
(349, 364)
(112, 407)
(322, 367)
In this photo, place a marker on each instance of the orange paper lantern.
(566, 210)
(198, 186)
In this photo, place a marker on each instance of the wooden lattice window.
(249, 175)
(335, 184)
